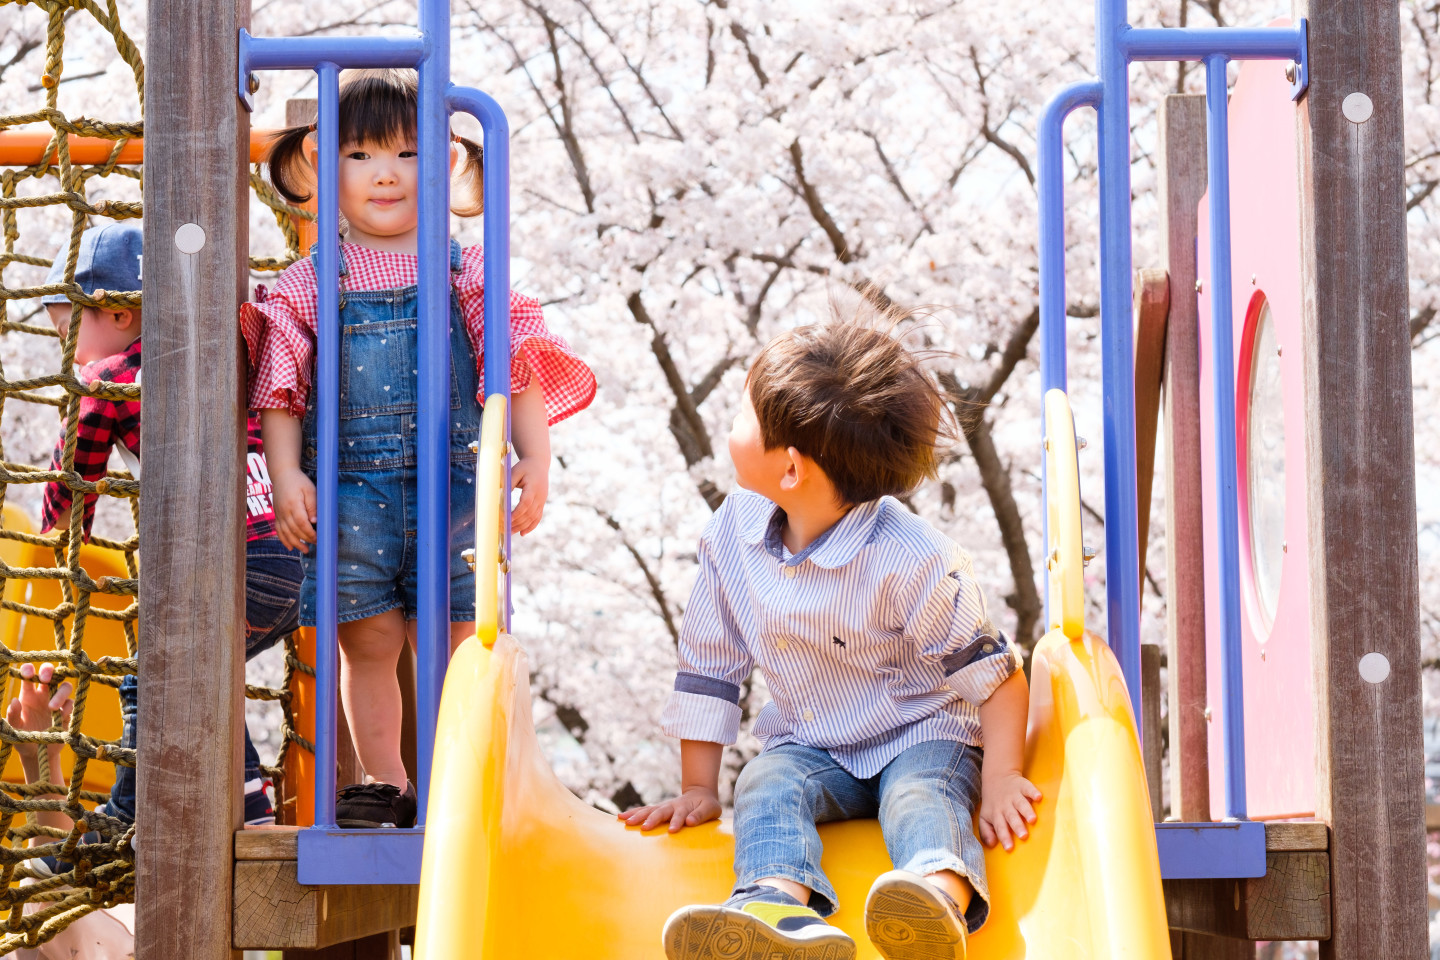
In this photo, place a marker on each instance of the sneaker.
(258, 809)
(371, 805)
(757, 921)
(52, 866)
(909, 918)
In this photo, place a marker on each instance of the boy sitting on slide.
(889, 683)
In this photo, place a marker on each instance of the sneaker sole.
(906, 920)
(715, 933)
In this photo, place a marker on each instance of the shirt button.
(808, 716)
(782, 644)
(988, 647)
(789, 573)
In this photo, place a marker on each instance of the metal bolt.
(1284, 546)
(1081, 443)
(1046, 443)
(1087, 553)
(469, 557)
(474, 446)
(1290, 71)
(1207, 713)
(252, 83)
(1253, 278)
(1199, 286)
(1279, 351)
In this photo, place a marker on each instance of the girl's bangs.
(379, 106)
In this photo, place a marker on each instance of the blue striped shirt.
(872, 639)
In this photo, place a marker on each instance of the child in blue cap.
(110, 263)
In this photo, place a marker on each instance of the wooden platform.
(273, 911)
(1291, 902)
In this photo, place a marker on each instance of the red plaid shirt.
(280, 333)
(104, 423)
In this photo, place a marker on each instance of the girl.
(379, 196)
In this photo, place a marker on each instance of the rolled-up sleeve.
(714, 664)
(950, 625)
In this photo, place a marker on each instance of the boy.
(886, 675)
(108, 347)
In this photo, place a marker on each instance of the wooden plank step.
(273, 911)
(1296, 835)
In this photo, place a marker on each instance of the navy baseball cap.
(110, 259)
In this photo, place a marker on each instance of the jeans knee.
(768, 779)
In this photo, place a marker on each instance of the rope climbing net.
(62, 600)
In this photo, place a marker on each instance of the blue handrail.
(1117, 46)
(429, 53)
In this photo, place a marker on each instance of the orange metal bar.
(25, 148)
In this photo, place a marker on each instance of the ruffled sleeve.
(279, 337)
(568, 383)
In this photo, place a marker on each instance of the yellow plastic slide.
(517, 867)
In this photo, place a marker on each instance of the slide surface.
(516, 866)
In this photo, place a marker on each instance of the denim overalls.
(379, 367)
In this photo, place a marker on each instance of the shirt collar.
(832, 549)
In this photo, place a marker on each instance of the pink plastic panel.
(1265, 252)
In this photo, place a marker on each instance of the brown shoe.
(909, 918)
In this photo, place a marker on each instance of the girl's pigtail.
(289, 166)
(469, 199)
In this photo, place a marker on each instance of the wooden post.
(1150, 723)
(1182, 183)
(192, 591)
(1359, 453)
(1152, 306)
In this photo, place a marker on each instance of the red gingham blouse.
(280, 333)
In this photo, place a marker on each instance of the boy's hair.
(376, 106)
(849, 395)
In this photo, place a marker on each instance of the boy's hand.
(1006, 806)
(531, 476)
(692, 808)
(32, 709)
(294, 498)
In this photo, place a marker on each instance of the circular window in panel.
(1265, 464)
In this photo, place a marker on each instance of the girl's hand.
(692, 808)
(531, 476)
(31, 710)
(294, 498)
(1006, 806)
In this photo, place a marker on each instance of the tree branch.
(657, 590)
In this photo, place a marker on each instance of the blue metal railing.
(1117, 46)
(328, 855)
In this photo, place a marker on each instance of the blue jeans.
(272, 598)
(924, 799)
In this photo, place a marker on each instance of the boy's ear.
(797, 469)
(125, 319)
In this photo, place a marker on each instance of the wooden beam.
(1360, 474)
(1195, 946)
(1150, 723)
(192, 520)
(1152, 305)
(267, 843)
(273, 911)
(1296, 835)
(1182, 183)
(1291, 902)
(381, 946)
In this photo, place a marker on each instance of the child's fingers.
(47, 672)
(61, 700)
(27, 671)
(1016, 823)
(1031, 791)
(987, 835)
(1002, 832)
(677, 821)
(1026, 810)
